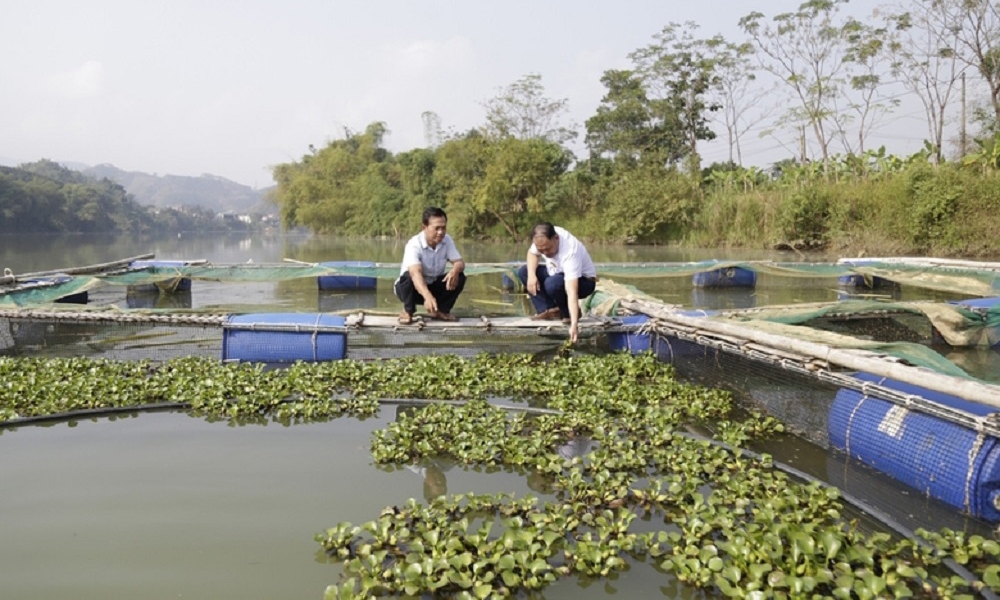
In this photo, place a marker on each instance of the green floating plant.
(711, 516)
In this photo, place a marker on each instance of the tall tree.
(679, 70)
(927, 63)
(522, 111)
(461, 164)
(975, 25)
(321, 190)
(872, 50)
(630, 128)
(805, 49)
(737, 91)
(515, 182)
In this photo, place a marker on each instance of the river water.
(163, 505)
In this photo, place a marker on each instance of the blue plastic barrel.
(729, 277)
(284, 338)
(631, 341)
(346, 282)
(942, 459)
(977, 303)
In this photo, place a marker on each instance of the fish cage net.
(136, 337)
(162, 337)
(817, 401)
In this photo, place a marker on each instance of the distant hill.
(207, 191)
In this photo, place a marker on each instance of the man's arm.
(419, 284)
(573, 299)
(532, 263)
(451, 277)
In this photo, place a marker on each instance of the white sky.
(232, 87)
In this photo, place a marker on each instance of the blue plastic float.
(347, 282)
(284, 338)
(727, 277)
(942, 459)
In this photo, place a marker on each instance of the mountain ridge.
(207, 191)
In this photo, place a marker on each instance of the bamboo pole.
(849, 358)
(96, 268)
(916, 261)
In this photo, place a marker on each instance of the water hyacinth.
(640, 487)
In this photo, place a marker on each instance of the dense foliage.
(45, 197)
(834, 80)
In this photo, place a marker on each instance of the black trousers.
(404, 290)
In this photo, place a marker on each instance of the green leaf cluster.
(707, 513)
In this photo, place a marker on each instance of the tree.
(975, 27)
(679, 71)
(927, 64)
(871, 49)
(461, 165)
(629, 128)
(432, 128)
(322, 190)
(733, 90)
(522, 111)
(805, 50)
(515, 182)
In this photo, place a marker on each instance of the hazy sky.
(231, 88)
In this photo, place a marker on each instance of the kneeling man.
(567, 276)
(424, 273)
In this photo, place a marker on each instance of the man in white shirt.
(567, 276)
(424, 273)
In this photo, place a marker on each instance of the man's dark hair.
(544, 228)
(432, 211)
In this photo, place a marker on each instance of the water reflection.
(723, 298)
(156, 299)
(577, 446)
(334, 301)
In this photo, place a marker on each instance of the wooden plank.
(366, 320)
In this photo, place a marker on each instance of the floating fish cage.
(168, 285)
(827, 370)
(937, 434)
(281, 338)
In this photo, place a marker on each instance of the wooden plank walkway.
(422, 323)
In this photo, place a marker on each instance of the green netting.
(785, 322)
(914, 354)
(41, 294)
(961, 280)
(957, 325)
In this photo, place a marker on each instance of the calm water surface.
(29, 253)
(163, 505)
